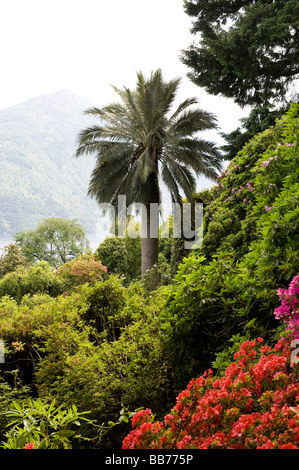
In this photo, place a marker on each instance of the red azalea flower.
(30, 445)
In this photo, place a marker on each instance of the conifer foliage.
(247, 49)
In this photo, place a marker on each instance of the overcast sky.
(87, 45)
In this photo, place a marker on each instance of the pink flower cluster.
(266, 162)
(288, 311)
(81, 270)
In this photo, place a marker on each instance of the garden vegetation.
(206, 360)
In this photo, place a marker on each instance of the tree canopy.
(55, 240)
(247, 49)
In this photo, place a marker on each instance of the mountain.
(39, 176)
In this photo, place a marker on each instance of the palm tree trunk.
(150, 241)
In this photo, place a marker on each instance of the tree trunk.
(150, 240)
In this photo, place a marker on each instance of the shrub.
(254, 405)
(250, 248)
(207, 305)
(38, 278)
(106, 300)
(99, 348)
(113, 253)
(121, 256)
(104, 375)
(38, 425)
(28, 331)
(83, 269)
(8, 395)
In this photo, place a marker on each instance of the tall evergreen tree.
(140, 143)
(247, 49)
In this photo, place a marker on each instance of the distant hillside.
(39, 177)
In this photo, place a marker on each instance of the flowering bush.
(81, 270)
(250, 246)
(30, 445)
(254, 405)
(288, 310)
(250, 187)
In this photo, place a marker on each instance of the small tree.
(11, 259)
(55, 240)
(113, 253)
(121, 256)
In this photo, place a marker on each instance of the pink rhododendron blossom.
(288, 311)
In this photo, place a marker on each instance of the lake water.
(5, 240)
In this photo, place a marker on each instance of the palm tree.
(140, 143)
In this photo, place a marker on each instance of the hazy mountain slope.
(39, 177)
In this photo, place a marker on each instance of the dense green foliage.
(38, 425)
(250, 249)
(98, 347)
(29, 280)
(247, 50)
(98, 343)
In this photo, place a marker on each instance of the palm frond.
(190, 122)
(182, 107)
(183, 177)
(171, 184)
(94, 111)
